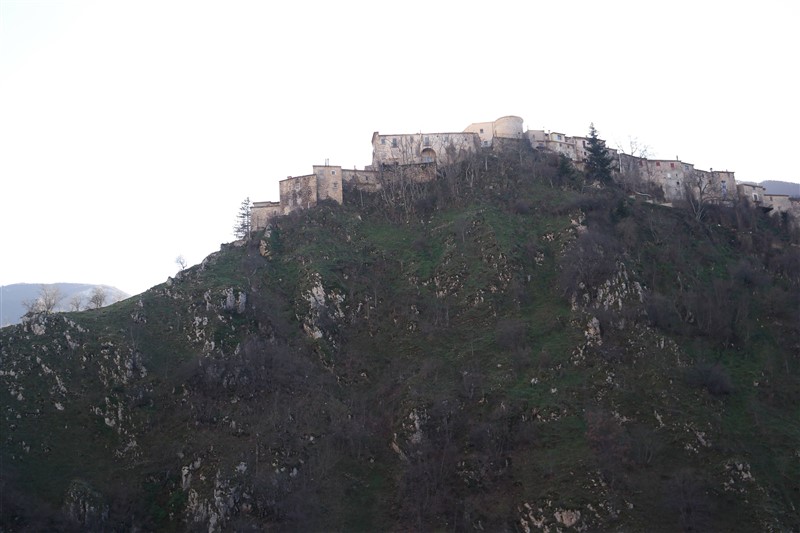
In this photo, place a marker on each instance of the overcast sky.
(130, 131)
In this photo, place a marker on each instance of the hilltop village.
(664, 180)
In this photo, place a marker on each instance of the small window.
(481, 130)
(755, 197)
(383, 141)
(335, 185)
(641, 163)
(333, 172)
(394, 143)
(658, 163)
(672, 165)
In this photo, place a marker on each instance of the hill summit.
(504, 347)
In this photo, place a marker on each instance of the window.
(658, 163)
(394, 143)
(427, 141)
(383, 141)
(333, 172)
(755, 197)
(641, 163)
(335, 185)
(481, 130)
(672, 165)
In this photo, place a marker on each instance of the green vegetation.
(499, 348)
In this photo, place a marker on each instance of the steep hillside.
(503, 349)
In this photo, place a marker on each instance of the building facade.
(416, 156)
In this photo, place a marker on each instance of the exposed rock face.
(323, 306)
(356, 371)
(235, 302)
(85, 506)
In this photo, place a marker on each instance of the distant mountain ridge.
(13, 296)
(781, 187)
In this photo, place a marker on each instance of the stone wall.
(780, 203)
(365, 180)
(262, 212)
(298, 192)
(484, 130)
(416, 148)
(329, 182)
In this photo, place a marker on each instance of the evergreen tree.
(241, 230)
(566, 173)
(598, 165)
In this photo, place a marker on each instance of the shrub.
(510, 333)
(711, 376)
(687, 495)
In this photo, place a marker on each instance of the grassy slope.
(459, 317)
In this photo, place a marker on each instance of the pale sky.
(130, 131)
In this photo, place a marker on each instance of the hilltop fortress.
(420, 153)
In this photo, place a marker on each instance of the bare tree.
(31, 306)
(49, 297)
(635, 148)
(632, 160)
(701, 190)
(98, 297)
(76, 302)
(181, 262)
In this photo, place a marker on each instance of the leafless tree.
(76, 302)
(98, 297)
(635, 148)
(49, 297)
(181, 262)
(632, 160)
(701, 190)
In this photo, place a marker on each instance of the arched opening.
(428, 155)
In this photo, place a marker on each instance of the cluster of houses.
(672, 179)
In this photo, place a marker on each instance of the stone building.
(780, 203)
(574, 148)
(262, 212)
(674, 177)
(421, 148)
(752, 192)
(441, 148)
(326, 182)
(415, 156)
(508, 127)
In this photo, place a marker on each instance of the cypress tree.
(242, 228)
(598, 165)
